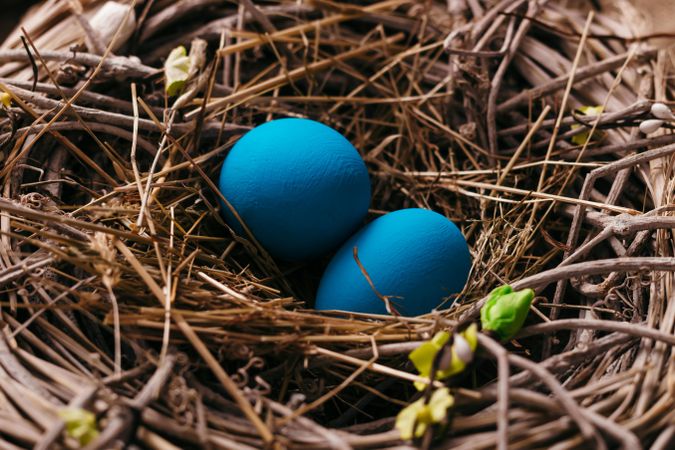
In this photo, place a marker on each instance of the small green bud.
(505, 311)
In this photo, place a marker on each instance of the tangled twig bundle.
(125, 294)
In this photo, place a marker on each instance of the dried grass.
(124, 292)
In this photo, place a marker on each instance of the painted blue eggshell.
(414, 254)
(299, 186)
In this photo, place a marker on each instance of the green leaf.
(505, 311)
(582, 138)
(423, 356)
(407, 418)
(464, 342)
(176, 70)
(440, 402)
(414, 419)
(80, 424)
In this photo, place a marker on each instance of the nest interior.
(126, 294)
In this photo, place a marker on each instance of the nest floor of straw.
(125, 294)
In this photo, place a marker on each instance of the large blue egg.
(299, 186)
(416, 255)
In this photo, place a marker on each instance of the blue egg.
(299, 185)
(415, 255)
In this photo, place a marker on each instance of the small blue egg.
(299, 185)
(416, 255)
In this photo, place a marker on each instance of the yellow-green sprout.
(5, 99)
(176, 70)
(80, 424)
(582, 138)
(414, 419)
(458, 355)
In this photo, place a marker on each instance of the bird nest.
(127, 299)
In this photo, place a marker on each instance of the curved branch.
(632, 329)
(603, 266)
(115, 66)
